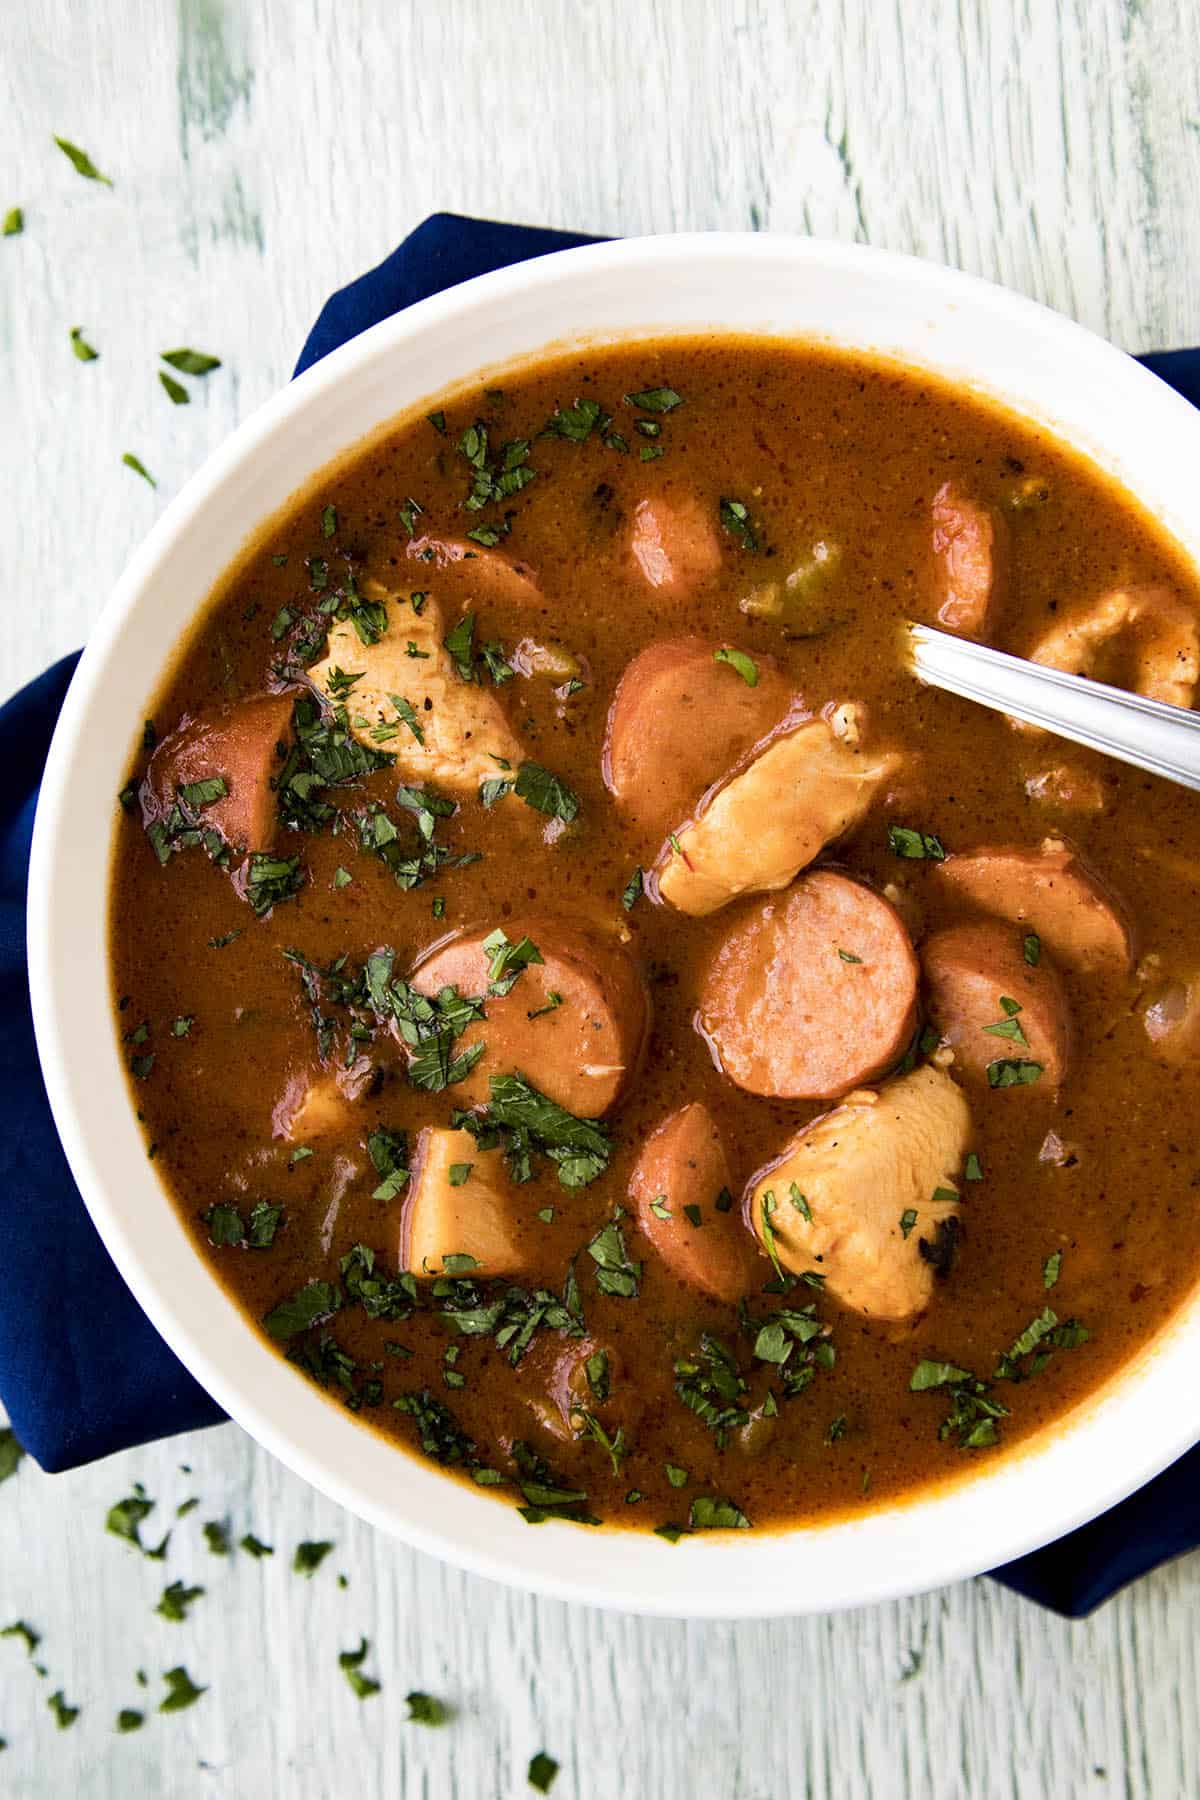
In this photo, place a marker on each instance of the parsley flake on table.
(350, 1662)
(80, 161)
(174, 390)
(176, 1600)
(79, 344)
(425, 1709)
(191, 362)
(310, 1555)
(542, 1770)
(182, 1691)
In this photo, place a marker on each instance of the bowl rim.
(1136, 1426)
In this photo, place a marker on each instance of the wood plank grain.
(262, 153)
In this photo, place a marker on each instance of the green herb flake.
(634, 889)
(176, 1600)
(129, 1719)
(709, 1513)
(913, 845)
(973, 1168)
(329, 521)
(19, 1628)
(182, 1691)
(676, 1476)
(350, 1662)
(302, 1310)
(138, 467)
(546, 792)
(310, 1555)
(1032, 949)
(908, 1219)
(175, 391)
(735, 517)
(216, 1536)
(64, 1715)
(745, 665)
(12, 1452)
(254, 1546)
(542, 1770)
(81, 347)
(1052, 1268)
(14, 222)
(80, 161)
(425, 1709)
(1013, 1071)
(191, 362)
(460, 1173)
(656, 400)
(438, 421)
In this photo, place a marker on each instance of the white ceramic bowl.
(1043, 367)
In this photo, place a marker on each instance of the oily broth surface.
(819, 446)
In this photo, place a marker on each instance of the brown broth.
(819, 445)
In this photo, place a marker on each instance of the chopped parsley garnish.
(225, 1225)
(191, 362)
(848, 956)
(1025, 1357)
(656, 400)
(1052, 1268)
(255, 1547)
(425, 1709)
(542, 1770)
(80, 161)
(460, 1173)
(438, 421)
(1032, 949)
(616, 1275)
(350, 1663)
(129, 1719)
(1013, 1071)
(126, 1517)
(438, 1432)
(1009, 1026)
(510, 1316)
(575, 423)
(710, 1513)
(913, 845)
(612, 1443)
(972, 1168)
(174, 390)
(634, 889)
(324, 755)
(14, 222)
(79, 344)
(908, 1219)
(521, 1121)
(745, 665)
(768, 1206)
(329, 521)
(735, 517)
(546, 1495)
(546, 792)
(460, 646)
(795, 1341)
(388, 1151)
(315, 1300)
(181, 1691)
(710, 1384)
(271, 880)
(309, 1555)
(552, 1002)
(138, 467)
(507, 961)
(973, 1415)
(216, 1536)
(176, 1600)
(64, 1715)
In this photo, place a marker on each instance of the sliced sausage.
(674, 545)
(461, 1202)
(579, 1049)
(473, 573)
(683, 1165)
(1052, 893)
(970, 562)
(991, 1005)
(679, 721)
(810, 995)
(243, 744)
(808, 787)
(841, 1199)
(457, 736)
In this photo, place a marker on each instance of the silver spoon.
(1164, 740)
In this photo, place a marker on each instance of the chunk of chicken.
(457, 736)
(461, 1203)
(1052, 893)
(674, 544)
(807, 788)
(841, 1197)
(1155, 629)
(683, 1166)
(679, 721)
(970, 561)
(241, 744)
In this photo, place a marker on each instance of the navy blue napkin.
(82, 1371)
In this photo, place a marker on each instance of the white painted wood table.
(263, 153)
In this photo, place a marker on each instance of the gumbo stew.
(598, 1015)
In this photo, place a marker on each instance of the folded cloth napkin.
(82, 1371)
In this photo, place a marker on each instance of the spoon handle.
(1162, 739)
